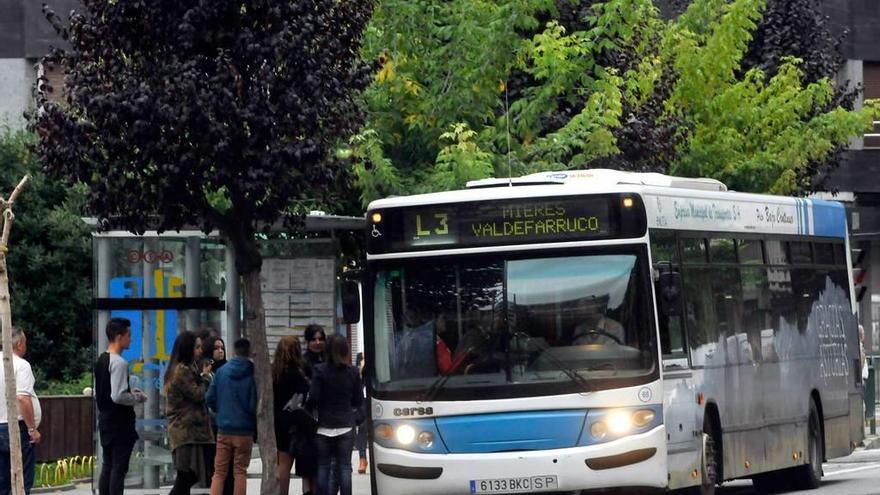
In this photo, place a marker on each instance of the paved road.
(858, 474)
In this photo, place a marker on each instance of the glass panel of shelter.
(155, 267)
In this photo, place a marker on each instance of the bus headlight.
(643, 417)
(619, 422)
(598, 430)
(405, 434)
(384, 431)
(426, 439)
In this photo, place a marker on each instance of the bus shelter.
(173, 282)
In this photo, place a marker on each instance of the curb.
(54, 489)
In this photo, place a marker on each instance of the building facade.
(25, 36)
(856, 180)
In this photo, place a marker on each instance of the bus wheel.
(710, 464)
(809, 476)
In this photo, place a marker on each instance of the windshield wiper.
(436, 386)
(572, 374)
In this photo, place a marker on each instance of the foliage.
(597, 84)
(72, 386)
(218, 113)
(795, 28)
(226, 115)
(800, 28)
(50, 265)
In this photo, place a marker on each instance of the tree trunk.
(16, 468)
(255, 323)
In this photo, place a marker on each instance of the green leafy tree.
(586, 84)
(50, 266)
(222, 114)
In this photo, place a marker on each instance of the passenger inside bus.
(595, 327)
(448, 362)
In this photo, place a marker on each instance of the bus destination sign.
(512, 221)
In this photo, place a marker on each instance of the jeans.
(361, 440)
(28, 459)
(338, 449)
(234, 450)
(114, 467)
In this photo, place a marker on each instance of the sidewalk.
(360, 483)
(872, 441)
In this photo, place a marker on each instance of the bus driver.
(594, 326)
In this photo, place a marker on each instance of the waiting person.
(214, 352)
(335, 393)
(214, 349)
(361, 432)
(293, 441)
(233, 397)
(315, 340)
(189, 427)
(28, 418)
(116, 401)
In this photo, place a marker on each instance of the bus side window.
(664, 253)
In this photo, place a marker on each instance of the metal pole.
(192, 279)
(150, 371)
(104, 265)
(870, 398)
(233, 299)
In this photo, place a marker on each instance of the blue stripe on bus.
(829, 219)
(805, 218)
(517, 431)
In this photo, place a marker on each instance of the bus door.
(680, 406)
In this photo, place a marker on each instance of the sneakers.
(362, 466)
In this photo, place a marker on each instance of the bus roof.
(671, 202)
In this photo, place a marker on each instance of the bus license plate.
(515, 485)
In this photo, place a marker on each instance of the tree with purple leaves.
(221, 114)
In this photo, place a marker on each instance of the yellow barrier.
(64, 471)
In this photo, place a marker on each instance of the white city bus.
(591, 329)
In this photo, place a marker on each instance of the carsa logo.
(414, 411)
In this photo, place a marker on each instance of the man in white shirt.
(29, 417)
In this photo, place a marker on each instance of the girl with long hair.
(189, 428)
(294, 444)
(336, 393)
(316, 339)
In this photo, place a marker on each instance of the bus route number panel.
(514, 221)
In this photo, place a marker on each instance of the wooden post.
(16, 468)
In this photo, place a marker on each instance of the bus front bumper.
(633, 461)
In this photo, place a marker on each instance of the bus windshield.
(509, 327)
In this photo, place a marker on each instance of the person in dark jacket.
(233, 397)
(335, 393)
(214, 353)
(214, 349)
(294, 444)
(116, 401)
(361, 431)
(315, 340)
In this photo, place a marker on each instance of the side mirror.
(351, 302)
(669, 290)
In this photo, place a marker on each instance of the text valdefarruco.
(506, 222)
